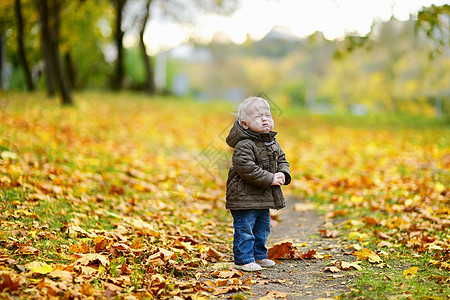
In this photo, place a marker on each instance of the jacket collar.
(238, 133)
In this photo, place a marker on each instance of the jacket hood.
(238, 133)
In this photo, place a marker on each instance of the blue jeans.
(251, 230)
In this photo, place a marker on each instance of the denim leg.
(251, 230)
(261, 232)
(244, 240)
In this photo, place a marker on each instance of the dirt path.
(302, 279)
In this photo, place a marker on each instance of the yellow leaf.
(439, 187)
(8, 155)
(39, 267)
(410, 272)
(101, 269)
(369, 255)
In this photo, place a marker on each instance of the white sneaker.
(251, 267)
(266, 263)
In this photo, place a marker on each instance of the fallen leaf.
(62, 275)
(329, 233)
(76, 231)
(79, 248)
(411, 272)
(8, 283)
(343, 265)
(214, 254)
(39, 267)
(87, 289)
(370, 221)
(367, 254)
(381, 234)
(27, 250)
(143, 227)
(229, 289)
(112, 287)
(48, 287)
(228, 274)
(91, 258)
(284, 250)
(100, 244)
(384, 244)
(331, 269)
(307, 255)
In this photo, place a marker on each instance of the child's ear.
(244, 125)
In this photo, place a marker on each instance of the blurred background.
(327, 56)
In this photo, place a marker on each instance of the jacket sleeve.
(283, 166)
(244, 162)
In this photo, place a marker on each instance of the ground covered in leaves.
(123, 196)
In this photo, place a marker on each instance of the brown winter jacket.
(256, 158)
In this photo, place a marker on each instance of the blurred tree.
(180, 11)
(21, 46)
(85, 32)
(435, 21)
(149, 85)
(118, 36)
(2, 58)
(49, 16)
(6, 22)
(320, 53)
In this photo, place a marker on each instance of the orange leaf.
(8, 283)
(87, 289)
(214, 254)
(284, 250)
(79, 248)
(307, 255)
(100, 244)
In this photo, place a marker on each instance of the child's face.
(257, 117)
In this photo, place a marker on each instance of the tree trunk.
(45, 42)
(119, 75)
(70, 70)
(49, 18)
(21, 47)
(150, 80)
(2, 59)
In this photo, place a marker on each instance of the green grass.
(376, 283)
(387, 281)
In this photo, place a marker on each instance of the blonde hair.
(243, 106)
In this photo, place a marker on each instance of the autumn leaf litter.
(118, 212)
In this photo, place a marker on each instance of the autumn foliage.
(123, 195)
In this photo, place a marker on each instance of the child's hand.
(278, 179)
